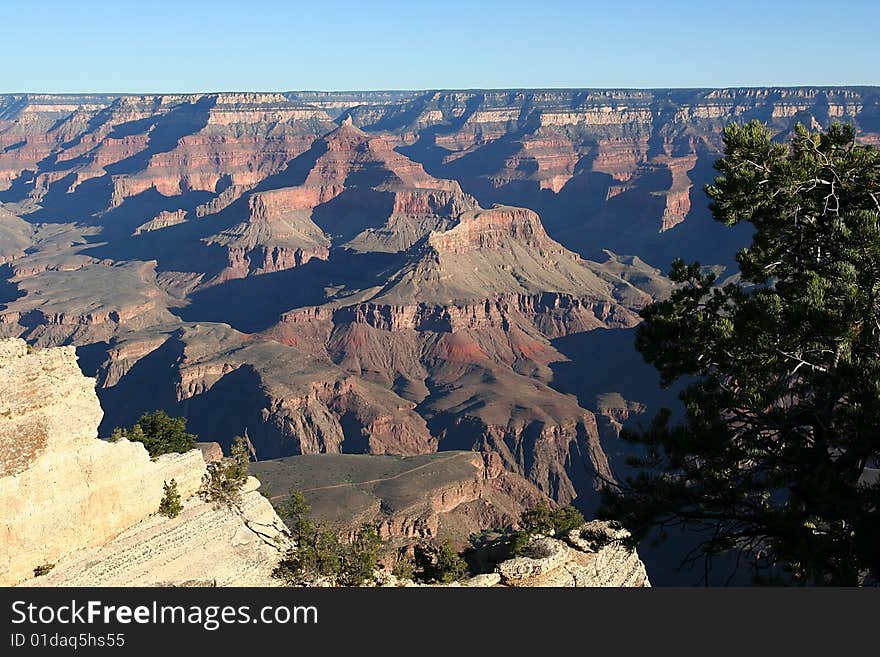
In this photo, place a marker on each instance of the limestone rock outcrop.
(203, 546)
(63, 490)
(601, 560)
(577, 561)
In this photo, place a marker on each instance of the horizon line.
(444, 89)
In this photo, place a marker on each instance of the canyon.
(377, 274)
(79, 511)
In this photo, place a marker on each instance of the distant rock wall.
(492, 497)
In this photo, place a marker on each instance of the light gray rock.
(485, 580)
(577, 561)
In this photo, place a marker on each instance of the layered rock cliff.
(606, 168)
(74, 502)
(371, 272)
(446, 496)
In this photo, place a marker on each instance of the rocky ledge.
(87, 508)
(577, 561)
(203, 546)
(593, 555)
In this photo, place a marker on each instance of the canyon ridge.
(368, 280)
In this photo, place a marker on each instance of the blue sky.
(196, 45)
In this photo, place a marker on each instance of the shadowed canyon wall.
(386, 273)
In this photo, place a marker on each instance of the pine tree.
(223, 481)
(782, 369)
(439, 564)
(159, 433)
(318, 551)
(450, 566)
(360, 557)
(170, 505)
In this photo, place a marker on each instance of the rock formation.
(605, 168)
(203, 546)
(15, 236)
(90, 507)
(86, 304)
(371, 272)
(601, 560)
(446, 496)
(576, 561)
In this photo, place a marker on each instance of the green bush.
(550, 522)
(439, 564)
(565, 519)
(39, 571)
(170, 506)
(538, 520)
(450, 566)
(360, 557)
(517, 541)
(319, 552)
(223, 481)
(403, 569)
(159, 433)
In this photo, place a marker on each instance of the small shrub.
(296, 508)
(360, 557)
(318, 552)
(159, 433)
(170, 506)
(565, 519)
(517, 541)
(450, 566)
(403, 569)
(223, 481)
(439, 564)
(39, 571)
(538, 520)
(239, 465)
(544, 520)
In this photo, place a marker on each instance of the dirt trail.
(374, 481)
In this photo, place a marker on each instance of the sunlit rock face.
(62, 490)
